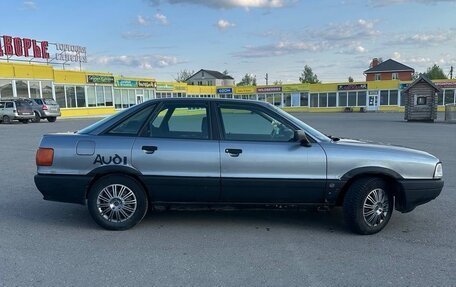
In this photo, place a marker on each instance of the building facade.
(388, 70)
(210, 78)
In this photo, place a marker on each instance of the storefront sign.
(126, 83)
(182, 87)
(98, 79)
(30, 48)
(295, 88)
(244, 90)
(445, 84)
(145, 84)
(224, 90)
(164, 87)
(352, 87)
(269, 89)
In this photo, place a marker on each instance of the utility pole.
(451, 72)
(266, 78)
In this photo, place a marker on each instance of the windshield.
(310, 130)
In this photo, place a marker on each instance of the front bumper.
(417, 192)
(63, 188)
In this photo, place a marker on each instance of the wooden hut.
(421, 100)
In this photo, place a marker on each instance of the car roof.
(218, 100)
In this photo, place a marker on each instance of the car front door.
(261, 162)
(179, 159)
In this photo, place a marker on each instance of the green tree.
(226, 73)
(307, 76)
(350, 79)
(183, 75)
(435, 72)
(248, 80)
(277, 83)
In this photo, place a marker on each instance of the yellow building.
(84, 93)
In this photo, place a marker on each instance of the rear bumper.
(51, 114)
(417, 192)
(63, 188)
(24, 117)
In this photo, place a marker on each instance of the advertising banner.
(126, 83)
(349, 87)
(99, 79)
(145, 84)
(244, 90)
(224, 90)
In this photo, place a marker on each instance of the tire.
(6, 120)
(37, 118)
(374, 216)
(118, 212)
(52, 119)
(25, 121)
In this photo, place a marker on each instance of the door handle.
(149, 149)
(234, 152)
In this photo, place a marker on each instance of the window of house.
(378, 77)
(394, 76)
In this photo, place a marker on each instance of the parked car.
(45, 109)
(15, 109)
(220, 152)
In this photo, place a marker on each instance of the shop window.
(91, 98)
(403, 99)
(384, 98)
(70, 96)
(361, 99)
(6, 89)
(117, 99)
(342, 99)
(323, 100)
(393, 98)
(21, 89)
(332, 99)
(124, 98)
(277, 100)
(80, 97)
(100, 96)
(314, 100)
(440, 98)
(46, 89)
(287, 100)
(34, 89)
(351, 99)
(108, 96)
(60, 96)
(131, 97)
(449, 97)
(304, 99)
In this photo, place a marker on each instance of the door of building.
(372, 102)
(139, 99)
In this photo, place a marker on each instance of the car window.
(50, 101)
(38, 101)
(9, 105)
(132, 125)
(181, 122)
(2, 105)
(253, 125)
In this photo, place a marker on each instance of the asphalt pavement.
(56, 244)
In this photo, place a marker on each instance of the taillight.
(44, 156)
(45, 108)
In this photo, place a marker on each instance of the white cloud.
(224, 24)
(146, 62)
(29, 5)
(142, 20)
(230, 3)
(396, 56)
(392, 2)
(278, 49)
(161, 18)
(360, 49)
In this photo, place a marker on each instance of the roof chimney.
(375, 62)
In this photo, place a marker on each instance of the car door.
(177, 155)
(261, 162)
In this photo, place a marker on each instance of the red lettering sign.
(44, 48)
(7, 44)
(18, 46)
(27, 45)
(36, 50)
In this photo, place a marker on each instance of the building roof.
(215, 74)
(422, 79)
(389, 66)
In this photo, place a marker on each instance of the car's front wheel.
(368, 205)
(51, 119)
(6, 120)
(117, 202)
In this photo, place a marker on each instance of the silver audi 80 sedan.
(220, 152)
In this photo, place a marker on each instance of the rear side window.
(38, 101)
(132, 125)
(9, 105)
(180, 122)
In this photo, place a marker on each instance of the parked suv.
(15, 109)
(45, 109)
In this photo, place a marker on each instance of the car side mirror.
(301, 137)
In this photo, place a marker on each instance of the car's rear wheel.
(368, 205)
(25, 121)
(6, 120)
(117, 202)
(37, 118)
(51, 119)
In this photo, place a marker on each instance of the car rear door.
(177, 155)
(260, 162)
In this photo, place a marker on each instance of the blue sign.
(224, 90)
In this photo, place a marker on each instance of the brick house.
(388, 70)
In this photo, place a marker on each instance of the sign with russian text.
(126, 83)
(224, 90)
(445, 84)
(164, 87)
(352, 87)
(100, 79)
(269, 89)
(145, 84)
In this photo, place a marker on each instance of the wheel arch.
(389, 176)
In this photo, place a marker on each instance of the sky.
(159, 38)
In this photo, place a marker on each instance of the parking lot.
(56, 244)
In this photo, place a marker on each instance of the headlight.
(438, 172)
